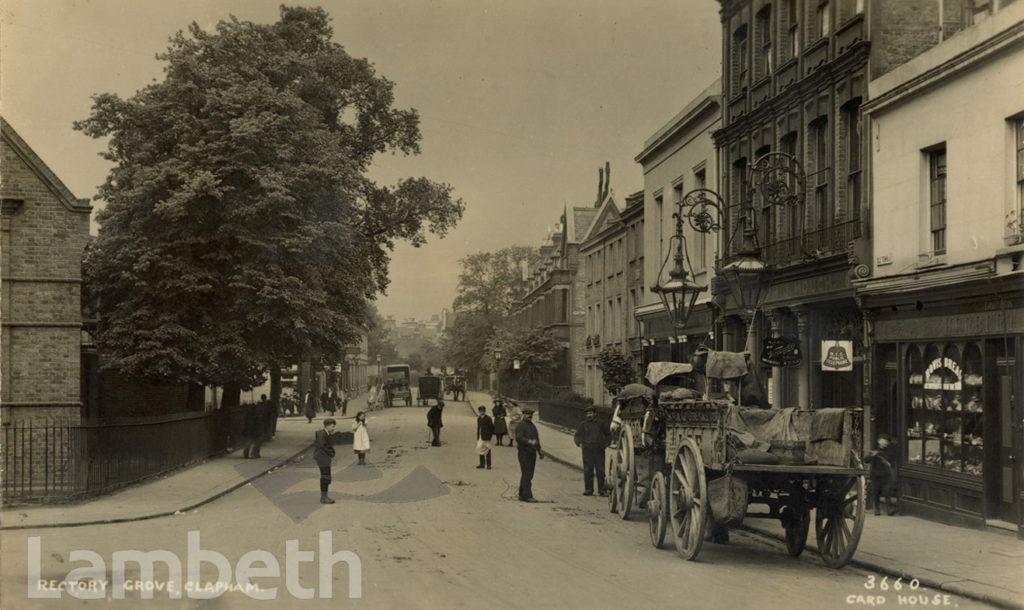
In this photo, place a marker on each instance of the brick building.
(612, 256)
(44, 231)
(801, 77)
(554, 300)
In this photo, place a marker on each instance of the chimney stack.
(600, 186)
(607, 179)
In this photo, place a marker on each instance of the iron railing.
(813, 244)
(57, 461)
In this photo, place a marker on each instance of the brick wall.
(44, 231)
(900, 31)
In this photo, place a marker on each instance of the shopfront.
(943, 389)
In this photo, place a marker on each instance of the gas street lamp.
(779, 180)
(497, 370)
(702, 210)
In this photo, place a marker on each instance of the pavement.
(985, 565)
(182, 490)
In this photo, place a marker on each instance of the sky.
(520, 102)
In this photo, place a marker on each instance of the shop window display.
(945, 411)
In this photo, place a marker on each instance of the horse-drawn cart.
(695, 462)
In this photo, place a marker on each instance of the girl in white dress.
(360, 437)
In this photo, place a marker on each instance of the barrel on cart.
(694, 462)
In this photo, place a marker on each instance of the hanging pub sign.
(837, 355)
(780, 351)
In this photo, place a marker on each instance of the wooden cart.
(694, 478)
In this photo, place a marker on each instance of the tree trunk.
(275, 395)
(196, 397)
(275, 385)
(232, 396)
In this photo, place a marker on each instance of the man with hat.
(592, 436)
(484, 432)
(528, 442)
(434, 422)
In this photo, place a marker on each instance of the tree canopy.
(489, 285)
(240, 228)
(617, 369)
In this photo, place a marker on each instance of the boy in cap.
(592, 437)
(528, 442)
(484, 432)
(883, 474)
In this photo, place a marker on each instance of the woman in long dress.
(500, 425)
(360, 437)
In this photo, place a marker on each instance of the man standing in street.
(269, 409)
(592, 436)
(528, 442)
(434, 422)
(484, 432)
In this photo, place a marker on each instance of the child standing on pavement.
(360, 437)
(883, 474)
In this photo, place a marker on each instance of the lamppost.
(702, 209)
(378, 368)
(497, 370)
(779, 179)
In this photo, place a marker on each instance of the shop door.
(1007, 465)
(886, 397)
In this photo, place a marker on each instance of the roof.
(41, 170)
(607, 215)
(708, 99)
(579, 220)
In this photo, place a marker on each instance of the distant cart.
(695, 462)
(431, 387)
(396, 384)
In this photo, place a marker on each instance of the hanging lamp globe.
(678, 295)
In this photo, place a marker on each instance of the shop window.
(945, 412)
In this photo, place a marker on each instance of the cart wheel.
(797, 522)
(839, 518)
(611, 476)
(625, 482)
(687, 499)
(657, 510)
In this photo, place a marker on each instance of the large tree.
(241, 230)
(489, 285)
(379, 341)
